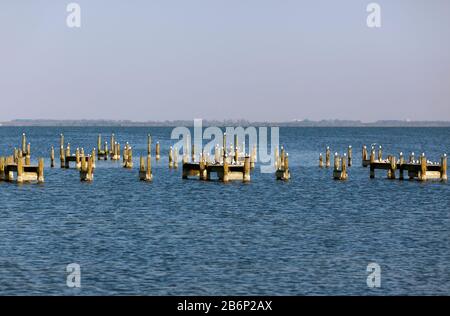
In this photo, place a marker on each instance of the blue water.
(311, 235)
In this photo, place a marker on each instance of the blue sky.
(225, 59)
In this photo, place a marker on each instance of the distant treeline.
(298, 123)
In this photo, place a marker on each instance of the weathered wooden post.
(411, 158)
(277, 158)
(28, 149)
(157, 151)
(175, 158)
(282, 156)
(99, 145)
(202, 167)
(193, 152)
(349, 155)
(380, 154)
(78, 159)
(216, 154)
(372, 160)
(149, 145)
(20, 170)
(67, 155)
(149, 175)
(253, 157)
(113, 149)
(320, 160)
(106, 151)
(24, 143)
(129, 163)
(327, 158)
(246, 169)
(364, 155)
(142, 172)
(236, 148)
(392, 167)
(2, 168)
(337, 160)
(444, 167)
(93, 157)
(423, 168)
(225, 169)
(52, 157)
(401, 162)
(344, 174)
(61, 156)
(27, 160)
(170, 157)
(40, 175)
(125, 153)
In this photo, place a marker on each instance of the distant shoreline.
(303, 123)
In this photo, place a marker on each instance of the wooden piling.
(320, 160)
(327, 157)
(392, 168)
(27, 160)
(175, 158)
(401, 162)
(216, 154)
(282, 157)
(423, 168)
(170, 157)
(129, 162)
(149, 145)
(52, 157)
(40, 174)
(106, 151)
(364, 155)
(247, 169)
(349, 155)
(380, 154)
(344, 161)
(157, 151)
(225, 177)
(193, 152)
(2, 168)
(444, 167)
(277, 158)
(24, 143)
(99, 145)
(20, 170)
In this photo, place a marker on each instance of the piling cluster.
(18, 167)
(421, 169)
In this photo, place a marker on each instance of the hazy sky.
(219, 59)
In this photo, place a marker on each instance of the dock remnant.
(102, 152)
(24, 172)
(228, 168)
(283, 172)
(320, 160)
(86, 169)
(145, 170)
(340, 167)
(421, 169)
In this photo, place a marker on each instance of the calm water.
(311, 235)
